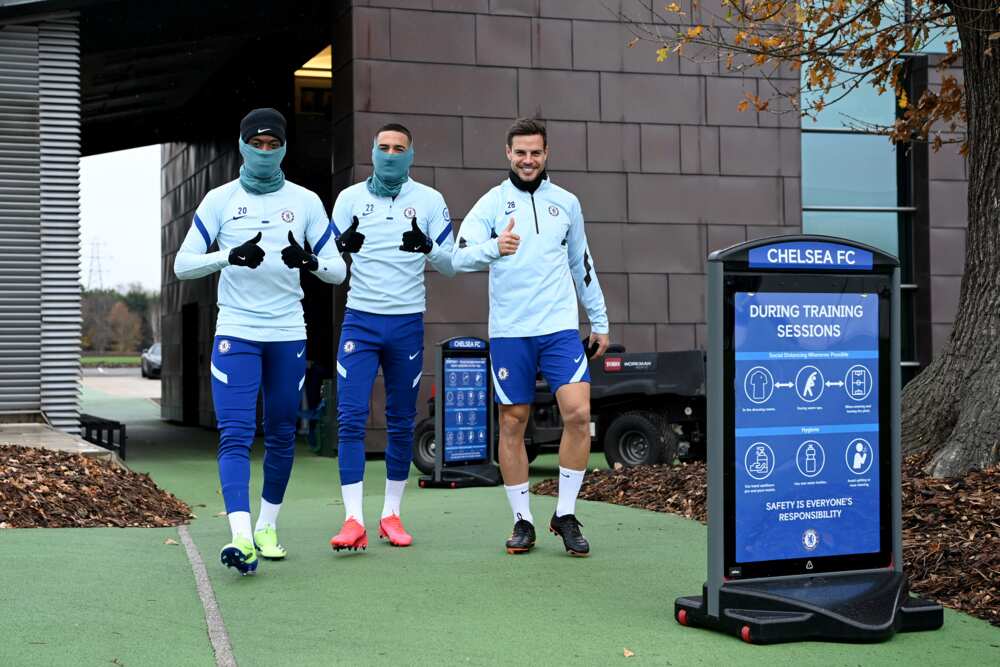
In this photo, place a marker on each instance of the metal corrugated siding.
(20, 235)
(59, 132)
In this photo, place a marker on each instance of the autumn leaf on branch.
(839, 45)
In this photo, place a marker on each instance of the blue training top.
(384, 279)
(261, 304)
(531, 291)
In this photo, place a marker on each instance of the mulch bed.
(951, 538)
(661, 488)
(951, 527)
(41, 488)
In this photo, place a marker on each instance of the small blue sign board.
(818, 255)
(464, 421)
(466, 409)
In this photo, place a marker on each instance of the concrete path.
(121, 383)
(47, 437)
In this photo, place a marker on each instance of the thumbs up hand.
(249, 254)
(351, 240)
(415, 240)
(296, 257)
(508, 241)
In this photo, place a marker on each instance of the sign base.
(863, 607)
(460, 477)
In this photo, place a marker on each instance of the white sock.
(268, 517)
(569, 488)
(353, 495)
(393, 497)
(518, 497)
(239, 524)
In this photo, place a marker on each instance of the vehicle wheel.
(639, 438)
(424, 447)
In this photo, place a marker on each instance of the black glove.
(249, 254)
(352, 239)
(415, 240)
(296, 257)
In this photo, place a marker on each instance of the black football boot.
(522, 538)
(568, 528)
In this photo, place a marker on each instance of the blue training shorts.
(516, 361)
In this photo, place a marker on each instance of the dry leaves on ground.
(41, 488)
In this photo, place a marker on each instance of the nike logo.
(236, 217)
(578, 359)
(367, 213)
(242, 257)
(565, 475)
(262, 131)
(524, 492)
(414, 356)
(299, 355)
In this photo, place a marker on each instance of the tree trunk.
(953, 407)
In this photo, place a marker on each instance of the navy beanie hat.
(263, 121)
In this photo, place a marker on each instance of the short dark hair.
(526, 127)
(395, 127)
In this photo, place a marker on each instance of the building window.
(842, 169)
(857, 185)
(880, 230)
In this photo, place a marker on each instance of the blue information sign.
(465, 409)
(807, 425)
(809, 255)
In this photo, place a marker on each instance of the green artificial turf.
(93, 596)
(454, 597)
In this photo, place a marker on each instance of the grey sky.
(120, 210)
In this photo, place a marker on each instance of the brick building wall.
(664, 165)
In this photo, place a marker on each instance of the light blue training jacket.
(532, 291)
(261, 304)
(384, 279)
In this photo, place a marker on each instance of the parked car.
(150, 362)
(645, 408)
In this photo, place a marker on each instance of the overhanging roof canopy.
(153, 72)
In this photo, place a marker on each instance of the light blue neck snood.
(261, 171)
(390, 172)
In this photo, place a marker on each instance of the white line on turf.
(213, 617)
